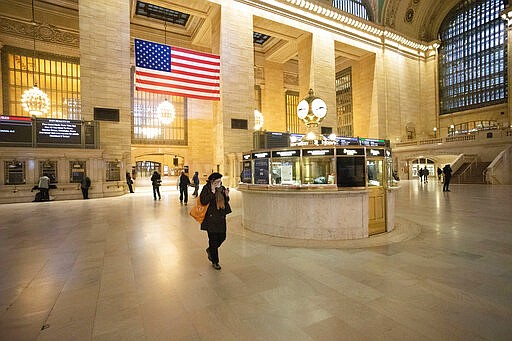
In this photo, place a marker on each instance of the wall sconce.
(435, 131)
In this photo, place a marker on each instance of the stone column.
(232, 39)
(317, 71)
(105, 71)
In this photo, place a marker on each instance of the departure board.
(16, 129)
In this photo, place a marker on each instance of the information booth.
(323, 192)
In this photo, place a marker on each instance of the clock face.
(302, 109)
(319, 108)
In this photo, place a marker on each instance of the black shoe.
(216, 266)
(209, 256)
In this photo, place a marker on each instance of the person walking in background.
(184, 183)
(426, 173)
(447, 171)
(195, 181)
(156, 181)
(84, 186)
(44, 187)
(217, 196)
(439, 172)
(420, 174)
(129, 182)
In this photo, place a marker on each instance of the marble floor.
(131, 268)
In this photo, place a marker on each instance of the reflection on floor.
(131, 268)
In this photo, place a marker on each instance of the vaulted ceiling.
(415, 19)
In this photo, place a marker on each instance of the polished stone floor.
(131, 268)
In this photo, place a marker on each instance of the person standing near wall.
(439, 172)
(84, 186)
(447, 171)
(129, 182)
(156, 181)
(217, 196)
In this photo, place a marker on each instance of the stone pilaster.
(317, 71)
(232, 36)
(105, 70)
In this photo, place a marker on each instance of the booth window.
(14, 172)
(77, 171)
(292, 120)
(113, 171)
(147, 127)
(50, 169)
(472, 56)
(318, 170)
(58, 76)
(344, 116)
(351, 171)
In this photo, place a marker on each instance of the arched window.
(355, 7)
(472, 56)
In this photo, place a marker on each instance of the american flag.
(171, 70)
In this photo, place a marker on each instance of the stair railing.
(490, 174)
(473, 159)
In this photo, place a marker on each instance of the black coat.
(214, 220)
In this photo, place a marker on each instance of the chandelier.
(166, 112)
(34, 100)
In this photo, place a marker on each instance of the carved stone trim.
(291, 78)
(43, 32)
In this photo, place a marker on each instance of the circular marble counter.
(306, 214)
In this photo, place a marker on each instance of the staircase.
(470, 173)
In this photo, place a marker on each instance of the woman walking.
(217, 196)
(156, 181)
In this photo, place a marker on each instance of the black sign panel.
(350, 151)
(260, 155)
(347, 141)
(286, 153)
(261, 171)
(246, 156)
(106, 114)
(15, 129)
(53, 131)
(246, 176)
(317, 152)
(374, 152)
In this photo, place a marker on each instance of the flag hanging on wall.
(171, 70)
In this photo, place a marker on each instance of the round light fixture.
(166, 112)
(35, 101)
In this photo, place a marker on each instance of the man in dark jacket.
(184, 183)
(447, 171)
(216, 197)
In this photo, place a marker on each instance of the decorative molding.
(290, 78)
(42, 32)
(259, 74)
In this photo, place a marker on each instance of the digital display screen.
(15, 129)
(261, 171)
(54, 131)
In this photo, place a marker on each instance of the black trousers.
(184, 194)
(446, 183)
(45, 194)
(215, 240)
(85, 193)
(156, 190)
(130, 187)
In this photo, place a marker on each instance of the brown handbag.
(198, 212)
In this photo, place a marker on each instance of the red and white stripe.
(193, 74)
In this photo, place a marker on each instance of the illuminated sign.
(371, 152)
(261, 155)
(246, 156)
(286, 153)
(53, 131)
(318, 152)
(350, 151)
